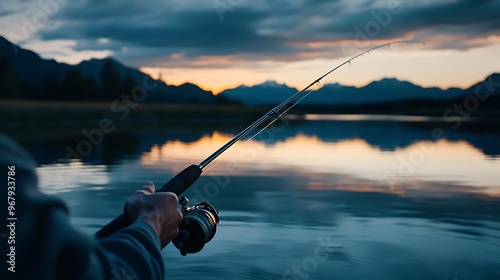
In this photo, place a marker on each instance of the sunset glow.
(361, 162)
(421, 66)
(249, 43)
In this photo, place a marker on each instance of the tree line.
(74, 86)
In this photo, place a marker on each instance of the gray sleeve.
(47, 246)
(135, 249)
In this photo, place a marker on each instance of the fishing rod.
(200, 220)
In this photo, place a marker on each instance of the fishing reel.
(197, 228)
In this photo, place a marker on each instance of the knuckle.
(139, 192)
(172, 198)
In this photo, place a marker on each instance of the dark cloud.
(272, 30)
(5, 13)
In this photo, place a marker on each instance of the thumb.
(148, 187)
(133, 203)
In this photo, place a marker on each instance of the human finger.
(148, 187)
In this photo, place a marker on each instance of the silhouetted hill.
(28, 67)
(25, 75)
(267, 93)
(44, 79)
(385, 90)
(487, 88)
(161, 93)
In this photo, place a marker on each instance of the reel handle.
(177, 185)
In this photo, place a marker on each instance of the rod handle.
(182, 181)
(177, 185)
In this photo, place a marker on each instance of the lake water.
(319, 197)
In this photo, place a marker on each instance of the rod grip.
(177, 185)
(182, 181)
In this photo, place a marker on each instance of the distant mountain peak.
(188, 84)
(39, 73)
(389, 80)
(494, 76)
(3, 40)
(271, 83)
(392, 82)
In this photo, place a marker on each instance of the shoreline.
(32, 114)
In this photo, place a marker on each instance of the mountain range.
(382, 91)
(35, 73)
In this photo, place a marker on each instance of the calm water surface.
(324, 198)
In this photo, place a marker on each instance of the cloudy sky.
(223, 43)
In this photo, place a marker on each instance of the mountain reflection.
(382, 189)
(442, 161)
(389, 153)
(379, 135)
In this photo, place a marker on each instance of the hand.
(157, 209)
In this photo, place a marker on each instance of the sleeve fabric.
(47, 246)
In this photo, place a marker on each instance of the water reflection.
(397, 204)
(382, 135)
(361, 117)
(442, 161)
(65, 177)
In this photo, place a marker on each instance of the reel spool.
(197, 228)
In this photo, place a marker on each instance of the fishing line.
(258, 132)
(200, 220)
(277, 112)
